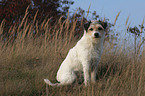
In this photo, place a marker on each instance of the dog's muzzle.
(96, 35)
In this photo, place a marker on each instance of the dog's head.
(95, 29)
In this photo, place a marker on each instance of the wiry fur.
(84, 56)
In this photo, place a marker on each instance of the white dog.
(84, 56)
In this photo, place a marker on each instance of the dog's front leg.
(86, 71)
(93, 75)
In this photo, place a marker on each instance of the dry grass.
(116, 18)
(25, 63)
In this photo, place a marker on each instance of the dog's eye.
(91, 29)
(100, 28)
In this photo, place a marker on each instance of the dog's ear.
(86, 26)
(104, 24)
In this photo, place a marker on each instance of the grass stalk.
(127, 21)
(88, 10)
(116, 18)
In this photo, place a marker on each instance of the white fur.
(84, 56)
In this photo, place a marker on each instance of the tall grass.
(29, 58)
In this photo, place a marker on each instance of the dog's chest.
(93, 52)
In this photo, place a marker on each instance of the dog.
(84, 56)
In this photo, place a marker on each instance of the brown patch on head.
(104, 24)
(95, 22)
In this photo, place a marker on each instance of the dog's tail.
(51, 84)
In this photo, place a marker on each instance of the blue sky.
(109, 8)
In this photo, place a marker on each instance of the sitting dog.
(84, 56)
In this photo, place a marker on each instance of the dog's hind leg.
(67, 78)
(64, 79)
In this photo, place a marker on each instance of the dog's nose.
(96, 35)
